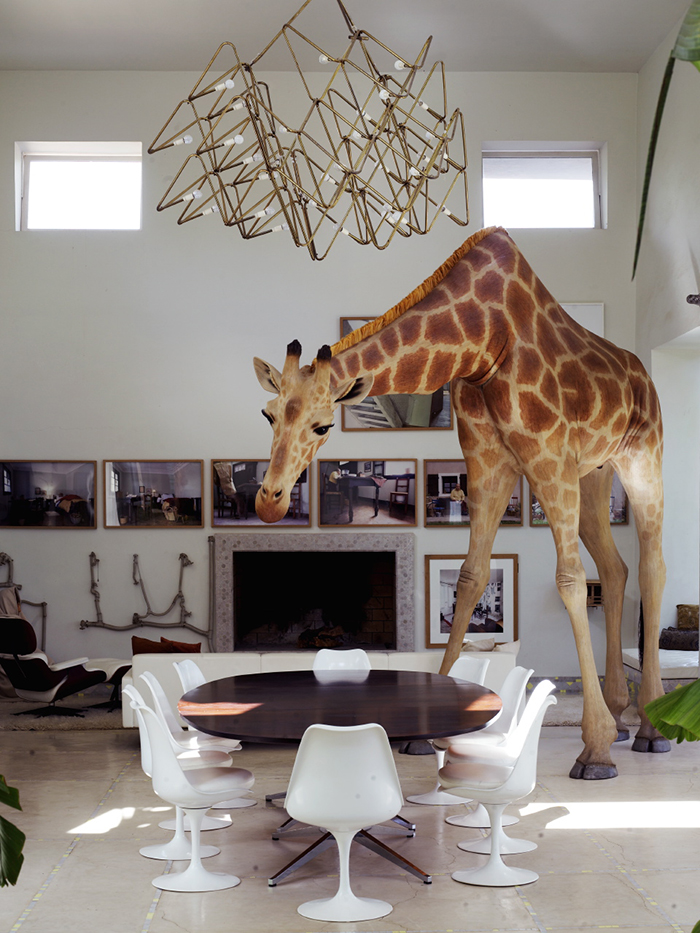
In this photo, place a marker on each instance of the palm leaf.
(677, 714)
(687, 48)
(11, 838)
(11, 858)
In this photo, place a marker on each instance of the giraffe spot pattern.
(534, 414)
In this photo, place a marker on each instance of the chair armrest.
(62, 665)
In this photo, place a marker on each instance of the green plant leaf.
(687, 49)
(677, 714)
(687, 46)
(9, 795)
(696, 928)
(11, 858)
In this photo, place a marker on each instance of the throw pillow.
(673, 639)
(687, 617)
(181, 647)
(146, 646)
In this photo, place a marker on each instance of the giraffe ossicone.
(535, 394)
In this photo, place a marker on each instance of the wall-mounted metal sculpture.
(149, 617)
(369, 154)
(6, 561)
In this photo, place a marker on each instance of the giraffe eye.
(323, 430)
(268, 416)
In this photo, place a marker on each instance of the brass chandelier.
(373, 153)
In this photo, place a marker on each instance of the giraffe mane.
(371, 327)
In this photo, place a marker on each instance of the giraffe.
(534, 394)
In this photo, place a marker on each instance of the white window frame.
(596, 152)
(90, 151)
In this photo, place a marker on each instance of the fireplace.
(289, 592)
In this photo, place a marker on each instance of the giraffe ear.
(355, 390)
(268, 377)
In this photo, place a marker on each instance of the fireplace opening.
(287, 600)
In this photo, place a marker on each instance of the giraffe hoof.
(592, 772)
(622, 735)
(656, 745)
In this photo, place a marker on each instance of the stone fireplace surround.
(224, 546)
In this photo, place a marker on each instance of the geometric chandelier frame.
(370, 154)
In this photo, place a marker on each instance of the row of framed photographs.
(169, 494)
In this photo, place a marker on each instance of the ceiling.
(469, 35)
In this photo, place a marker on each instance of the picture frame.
(396, 412)
(496, 613)
(349, 496)
(235, 484)
(153, 494)
(443, 509)
(619, 507)
(49, 494)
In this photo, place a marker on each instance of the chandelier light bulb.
(399, 65)
(323, 59)
(183, 140)
(226, 85)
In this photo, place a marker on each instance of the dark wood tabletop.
(278, 707)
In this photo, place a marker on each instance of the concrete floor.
(623, 853)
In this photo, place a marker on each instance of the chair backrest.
(350, 659)
(511, 693)
(137, 704)
(470, 668)
(344, 778)
(403, 484)
(524, 741)
(17, 636)
(161, 703)
(190, 674)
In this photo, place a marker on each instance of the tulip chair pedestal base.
(508, 846)
(176, 850)
(237, 803)
(209, 822)
(479, 819)
(196, 878)
(496, 876)
(345, 907)
(436, 798)
(179, 846)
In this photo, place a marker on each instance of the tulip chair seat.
(344, 779)
(194, 791)
(496, 776)
(466, 668)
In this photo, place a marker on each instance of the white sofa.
(229, 664)
(677, 667)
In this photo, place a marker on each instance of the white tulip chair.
(496, 776)
(344, 779)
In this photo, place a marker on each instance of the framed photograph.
(235, 485)
(48, 494)
(445, 496)
(153, 493)
(619, 509)
(395, 412)
(351, 495)
(495, 614)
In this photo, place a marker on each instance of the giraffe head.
(301, 415)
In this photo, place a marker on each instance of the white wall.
(667, 326)
(139, 345)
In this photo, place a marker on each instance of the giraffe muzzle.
(271, 504)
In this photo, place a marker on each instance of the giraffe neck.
(459, 326)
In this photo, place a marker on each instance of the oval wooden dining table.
(280, 706)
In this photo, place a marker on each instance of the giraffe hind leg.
(594, 531)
